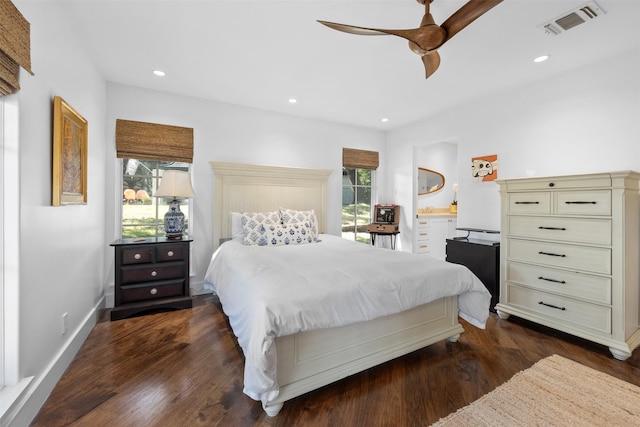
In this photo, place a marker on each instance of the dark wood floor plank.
(184, 368)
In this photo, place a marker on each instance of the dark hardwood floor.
(184, 368)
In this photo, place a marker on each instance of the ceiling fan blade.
(468, 13)
(426, 38)
(431, 63)
(351, 29)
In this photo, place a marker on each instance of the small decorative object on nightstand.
(175, 184)
(151, 273)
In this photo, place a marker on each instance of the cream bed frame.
(310, 360)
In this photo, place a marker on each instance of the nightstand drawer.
(171, 253)
(134, 274)
(137, 255)
(143, 292)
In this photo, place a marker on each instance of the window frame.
(373, 195)
(159, 207)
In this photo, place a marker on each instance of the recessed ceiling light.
(159, 73)
(541, 58)
(292, 100)
(384, 120)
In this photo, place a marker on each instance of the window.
(143, 214)
(358, 185)
(357, 196)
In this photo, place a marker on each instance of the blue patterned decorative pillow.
(295, 233)
(292, 216)
(254, 226)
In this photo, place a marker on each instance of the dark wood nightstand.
(150, 274)
(482, 257)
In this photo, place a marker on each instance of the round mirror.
(429, 181)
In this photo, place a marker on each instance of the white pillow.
(254, 226)
(292, 216)
(236, 225)
(289, 234)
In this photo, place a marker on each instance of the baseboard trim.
(25, 409)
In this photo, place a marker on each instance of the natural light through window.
(357, 195)
(142, 213)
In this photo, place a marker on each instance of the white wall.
(228, 133)
(61, 248)
(580, 122)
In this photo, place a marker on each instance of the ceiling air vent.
(573, 18)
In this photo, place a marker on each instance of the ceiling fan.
(426, 39)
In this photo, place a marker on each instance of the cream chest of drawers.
(570, 253)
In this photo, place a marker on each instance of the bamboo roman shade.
(150, 141)
(15, 47)
(362, 159)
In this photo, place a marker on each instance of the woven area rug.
(554, 392)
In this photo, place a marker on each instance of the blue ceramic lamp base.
(174, 221)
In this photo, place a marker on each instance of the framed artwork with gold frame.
(69, 172)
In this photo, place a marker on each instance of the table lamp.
(175, 184)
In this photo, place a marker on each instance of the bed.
(300, 326)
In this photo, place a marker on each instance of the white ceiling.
(261, 53)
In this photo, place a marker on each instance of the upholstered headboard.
(253, 188)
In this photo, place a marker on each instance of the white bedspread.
(275, 291)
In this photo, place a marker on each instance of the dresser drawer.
(143, 292)
(132, 274)
(584, 258)
(579, 230)
(583, 202)
(579, 285)
(578, 313)
(530, 203)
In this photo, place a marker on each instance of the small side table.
(392, 235)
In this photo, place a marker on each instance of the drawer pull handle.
(552, 306)
(580, 203)
(154, 273)
(137, 256)
(552, 228)
(551, 280)
(170, 253)
(153, 291)
(552, 254)
(527, 203)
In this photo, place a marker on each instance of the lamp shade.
(176, 184)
